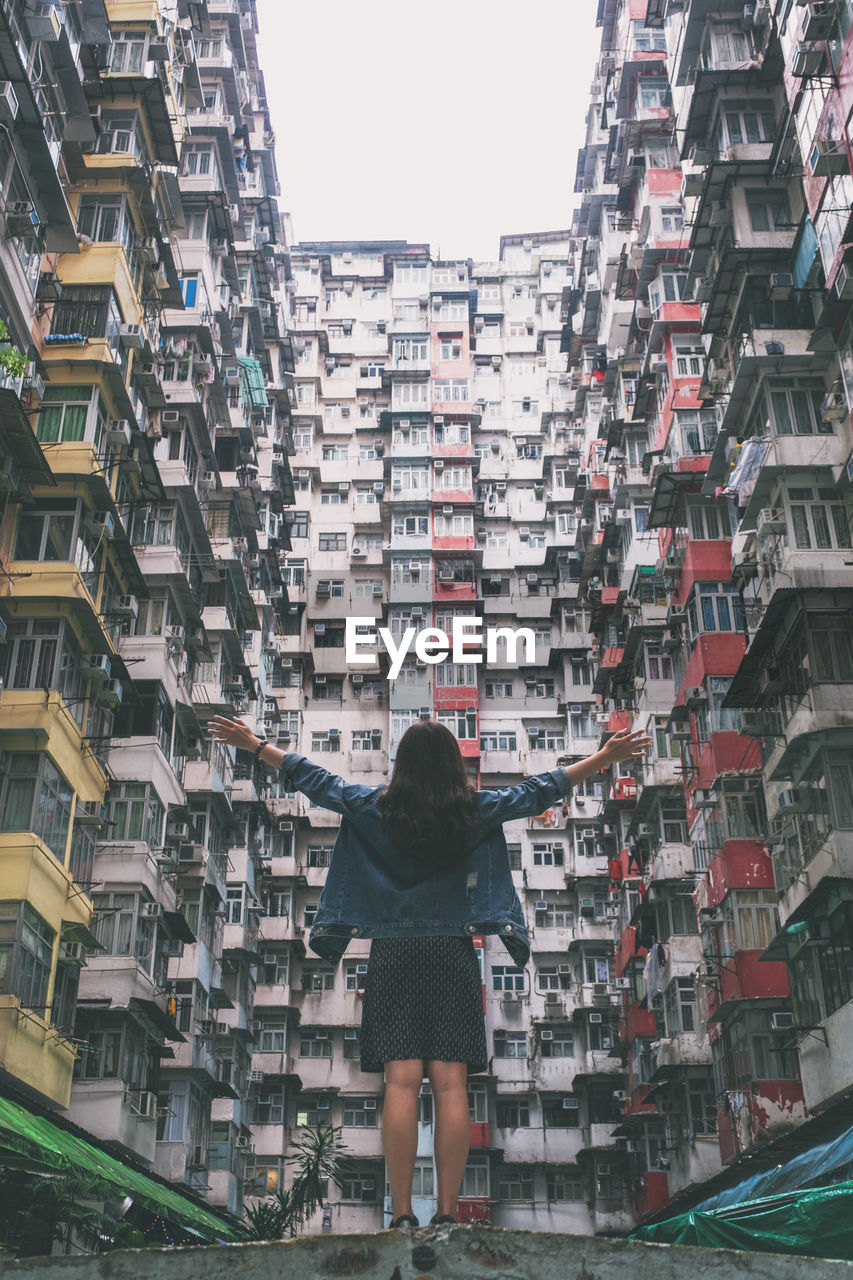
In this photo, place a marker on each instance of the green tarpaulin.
(813, 1223)
(43, 1146)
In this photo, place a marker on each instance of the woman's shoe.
(407, 1222)
(443, 1220)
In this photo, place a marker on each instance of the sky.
(451, 122)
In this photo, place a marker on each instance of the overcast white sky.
(451, 122)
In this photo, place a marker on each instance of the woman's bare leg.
(403, 1081)
(449, 1083)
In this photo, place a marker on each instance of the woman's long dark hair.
(429, 807)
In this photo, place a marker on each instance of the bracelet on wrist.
(259, 748)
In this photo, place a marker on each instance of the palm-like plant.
(320, 1158)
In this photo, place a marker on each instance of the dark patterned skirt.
(423, 998)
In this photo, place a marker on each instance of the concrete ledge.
(441, 1253)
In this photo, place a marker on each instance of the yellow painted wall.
(31, 874)
(31, 1051)
(31, 721)
(103, 264)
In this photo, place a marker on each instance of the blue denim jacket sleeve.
(533, 795)
(318, 784)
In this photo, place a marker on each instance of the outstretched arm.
(623, 745)
(300, 774)
(236, 733)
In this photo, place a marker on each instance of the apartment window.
(355, 975)
(455, 526)
(549, 854)
(120, 134)
(298, 524)
(275, 970)
(514, 1112)
(689, 360)
(450, 349)
(833, 216)
(136, 813)
(511, 1044)
(757, 918)
(35, 797)
(667, 287)
(562, 1112)
(359, 1113)
(313, 1111)
(475, 1180)
(352, 1043)
(768, 210)
(554, 916)
(797, 408)
(273, 1036)
(315, 1044)
(498, 688)
(498, 741)
(411, 526)
(658, 663)
(819, 521)
(515, 1182)
(332, 542)
(708, 520)
(267, 1107)
(309, 912)
(549, 978)
(514, 851)
(410, 349)
(758, 1054)
(455, 478)
(714, 606)
(365, 588)
(26, 950)
(679, 1006)
(676, 917)
(507, 977)
(559, 1044)
(747, 122)
(581, 674)
(697, 430)
(564, 1184)
(263, 1179)
(450, 390)
(358, 1186)
(416, 478)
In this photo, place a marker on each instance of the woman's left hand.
(234, 733)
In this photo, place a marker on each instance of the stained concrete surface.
(444, 1253)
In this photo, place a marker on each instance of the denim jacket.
(367, 895)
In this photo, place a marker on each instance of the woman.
(420, 866)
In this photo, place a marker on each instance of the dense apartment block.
(707, 337)
(240, 474)
(145, 436)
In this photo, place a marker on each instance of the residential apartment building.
(710, 323)
(435, 472)
(145, 438)
(630, 437)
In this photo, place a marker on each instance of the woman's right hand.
(626, 744)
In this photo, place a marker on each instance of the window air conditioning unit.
(8, 103)
(808, 60)
(596, 1017)
(795, 800)
(533, 731)
(179, 830)
(126, 607)
(357, 677)
(98, 667)
(359, 551)
(118, 432)
(285, 825)
(510, 997)
(781, 285)
(818, 20)
(623, 984)
(21, 218)
(781, 1020)
(552, 997)
(131, 337)
(153, 910)
(99, 523)
(644, 829)
(571, 1104)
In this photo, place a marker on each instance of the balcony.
(114, 1113)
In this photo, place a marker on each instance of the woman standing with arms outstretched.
(420, 866)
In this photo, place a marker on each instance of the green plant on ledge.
(12, 363)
